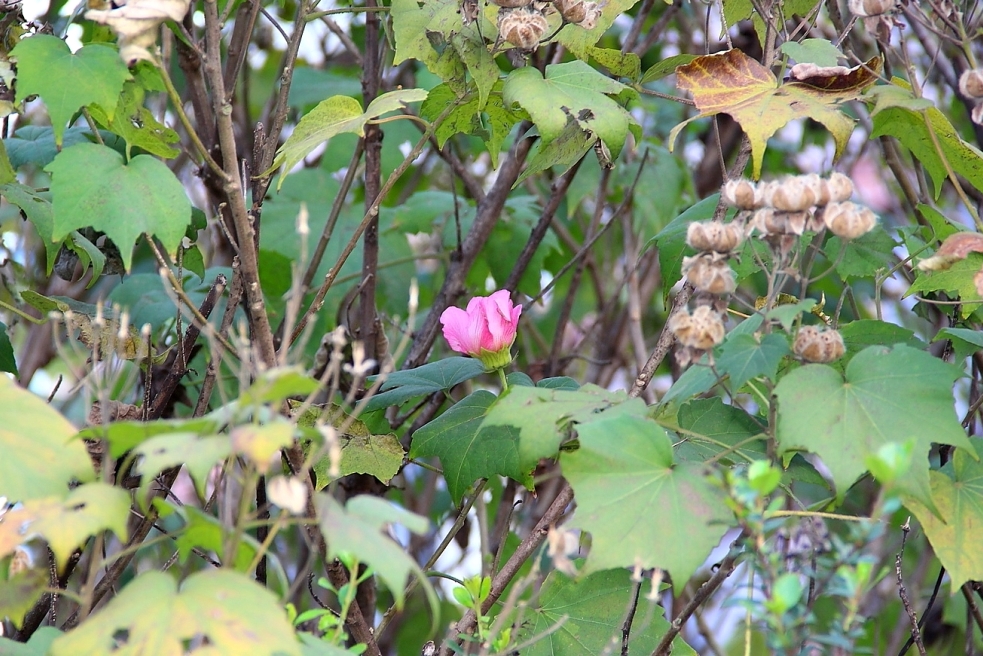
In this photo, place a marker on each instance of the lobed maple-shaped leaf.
(66, 523)
(577, 90)
(640, 508)
(590, 612)
(466, 451)
(747, 356)
(151, 615)
(708, 428)
(40, 458)
(67, 81)
(93, 186)
(886, 396)
(955, 533)
(734, 84)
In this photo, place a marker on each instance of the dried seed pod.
(798, 222)
(815, 345)
(741, 194)
(714, 236)
(767, 221)
(818, 186)
(840, 187)
(792, 195)
(709, 273)
(971, 83)
(701, 330)
(511, 4)
(865, 8)
(522, 27)
(573, 11)
(592, 13)
(849, 220)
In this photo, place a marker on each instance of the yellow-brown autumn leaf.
(733, 83)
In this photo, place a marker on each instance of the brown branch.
(916, 634)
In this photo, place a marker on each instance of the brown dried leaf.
(955, 247)
(733, 83)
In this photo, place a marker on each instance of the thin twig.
(916, 634)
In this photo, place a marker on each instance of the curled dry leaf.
(955, 247)
(136, 23)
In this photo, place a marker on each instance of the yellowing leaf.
(259, 443)
(66, 524)
(39, 456)
(733, 83)
(151, 616)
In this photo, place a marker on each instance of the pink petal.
(499, 313)
(459, 331)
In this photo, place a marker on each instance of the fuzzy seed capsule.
(849, 220)
(701, 330)
(714, 236)
(815, 345)
(865, 8)
(709, 274)
(511, 4)
(971, 83)
(522, 27)
(741, 194)
(573, 11)
(790, 195)
(840, 187)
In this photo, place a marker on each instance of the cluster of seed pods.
(778, 212)
(523, 22)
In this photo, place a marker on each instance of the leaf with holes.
(640, 508)
(93, 186)
(587, 613)
(151, 615)
(67, 81)
(887, 396)
(467, 452)
(40, 458)
(735, 84)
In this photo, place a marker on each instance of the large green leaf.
(864, 256)
(67, 523)
(35, 144)
(332, 117)
(955, 532)
(710, 429)
(640, 509)
(357, 529)
(401, 386)
(136, 124)
(39, 458)
(467, 452)
(888, 396)
(858, 335)
(545, 417)
(37, 209)
(592, 612)
(965, 341)
(93, 186)
(66, 81)
(491, 121)
(571, 90)
(150, 615)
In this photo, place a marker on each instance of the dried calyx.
(714, 236)
(848, 220)
(579, 12)
(709, 272)
(697, 332)
(522, 26)
(815, 345)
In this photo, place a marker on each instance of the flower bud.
(741, 194)
(714, 236)
(522, 27)
(971, 83)
(709, 274)
(848, 220)
(486, 330)
(701, 330)
(815, 345)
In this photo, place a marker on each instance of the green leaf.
(858, 335)
(965, 342)
(665, 67)
(207, 533)
(813, 51)
(7, 361)
(40, 458)
(123, 436)
(911, 129)
(955, 532)
(618, 63)
(957, 281)
(137, 124)
(707, 428)
(66, 81)
(38, 211)
(150, 615)
(592, 613)
(893, 95)
(35, 144)
(377, 455)
(357, 529)
(467, 452)
(942, 226)
(401, 386)
(18, 594)
(332, 117)
(888, 395)
(864, 256)
(544, 417)
(573, 89)
(747, 356)
(259, 443)
(579, 40)
(93, 186)
(672, 241)
(639, 508)
(65, 523)
(699, 378)
(38, 645)
(788, 313)
(198, 454)
(491, 121)
(566, 150)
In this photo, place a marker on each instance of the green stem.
(501, 377)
